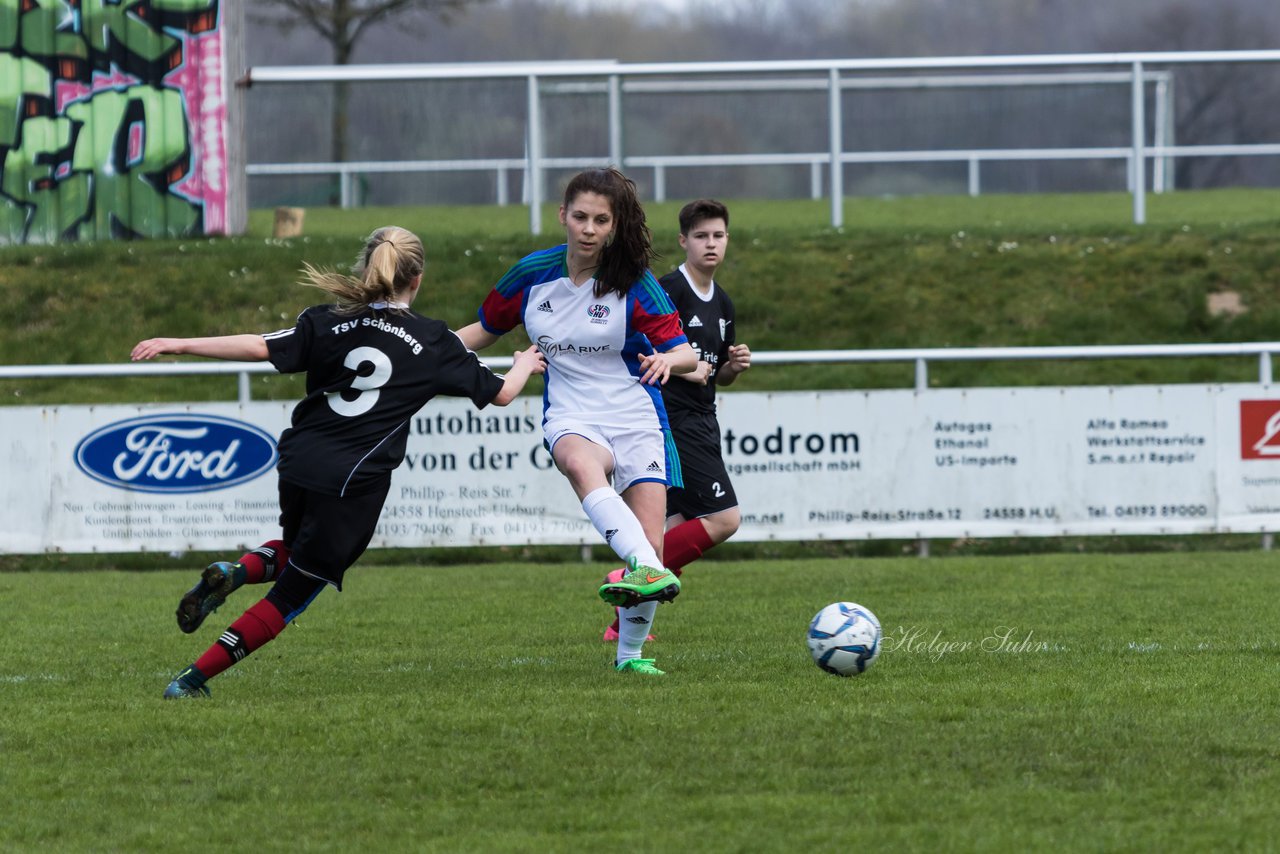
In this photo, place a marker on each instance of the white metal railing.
(830, 75)
(1162, 173)
(348, 172)
(920, 357)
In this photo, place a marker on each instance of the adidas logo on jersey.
(546, 306)
(653, 466)
(694, 321)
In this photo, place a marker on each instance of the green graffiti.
(105, 23)
(19, 79)
(42, 34)
(105, 165)
(51, 206)
(131, 196)
(140, 36)
(8, 24)
(79, 177)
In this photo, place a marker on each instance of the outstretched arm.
(525, 364)
(233, 348)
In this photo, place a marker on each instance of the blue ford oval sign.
(176, 453)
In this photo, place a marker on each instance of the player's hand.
(739, 358)
(533, 358)
(152, 347)
(654, 369)
(700, 375)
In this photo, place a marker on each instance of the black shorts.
(707, 488)
(327, 534)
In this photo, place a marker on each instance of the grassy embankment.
(947, 272)
(910, 272)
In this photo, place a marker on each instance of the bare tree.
(342, 23)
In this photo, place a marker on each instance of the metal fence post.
(1170, 139)
(346, 195)
(836, 120)
(1139, 156)
(615, 121)
(533, 168)
(1160, 120)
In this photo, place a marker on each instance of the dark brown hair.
(699, 210)
(629, 252)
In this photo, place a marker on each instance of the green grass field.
(1067, 702)
(1129, 707)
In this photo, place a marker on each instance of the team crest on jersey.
(722, 328)
(599, 313)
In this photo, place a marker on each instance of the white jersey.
(592, 344)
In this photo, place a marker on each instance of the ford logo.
(176, 453)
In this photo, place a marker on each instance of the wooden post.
(288, 222)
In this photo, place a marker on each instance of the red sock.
(255, 628)
(684, 544)
(265, 562)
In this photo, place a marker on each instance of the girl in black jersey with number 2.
(371, 363)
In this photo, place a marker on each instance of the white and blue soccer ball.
(844, 638)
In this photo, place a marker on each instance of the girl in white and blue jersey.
(610, 336)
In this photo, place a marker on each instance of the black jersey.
(708, 324)
(367, 374)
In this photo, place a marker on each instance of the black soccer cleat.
(216, 583)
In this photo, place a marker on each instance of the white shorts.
(639, 455)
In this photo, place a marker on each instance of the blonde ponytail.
(391, 259)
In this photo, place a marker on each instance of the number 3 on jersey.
(367, 386)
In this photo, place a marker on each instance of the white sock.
(619, 526)
(633, 627)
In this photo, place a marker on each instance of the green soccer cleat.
(217, 582)
(641, 584)
(643, 666)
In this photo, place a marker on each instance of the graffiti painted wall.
(112, 120)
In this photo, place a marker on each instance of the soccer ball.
(844, 638)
